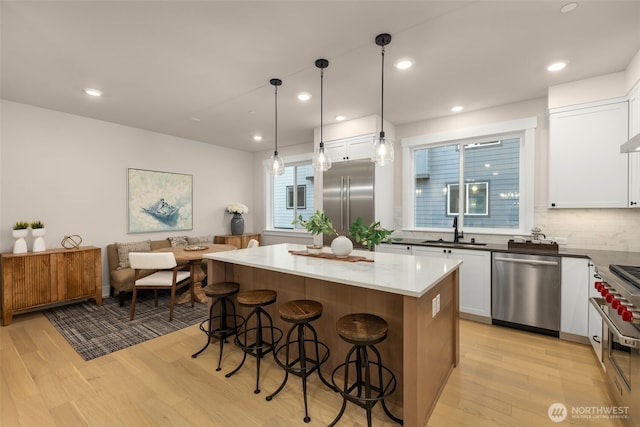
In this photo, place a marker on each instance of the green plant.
(37, 224)
(318, 223)
(370, 235)
(21, 225)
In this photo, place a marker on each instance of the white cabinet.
(355, 148)
(574, 317)
(394, 249)
(475, 277)
(586, 168)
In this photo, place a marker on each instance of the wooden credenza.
(36, 280)
(240, 241)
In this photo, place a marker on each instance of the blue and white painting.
(159, 201)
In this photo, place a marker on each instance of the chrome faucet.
(456, 236)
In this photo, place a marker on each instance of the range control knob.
(604, 291)
(598, 286)
(627, 316)
(615, 304)
(622, 309)
(611, 297)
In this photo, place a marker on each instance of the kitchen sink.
(452, 243)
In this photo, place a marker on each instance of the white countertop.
(402, 274)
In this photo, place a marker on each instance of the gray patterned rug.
(94, 330)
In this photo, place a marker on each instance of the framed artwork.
(159, 201)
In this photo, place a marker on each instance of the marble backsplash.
(599, 229)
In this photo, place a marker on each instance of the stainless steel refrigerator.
(347, 194)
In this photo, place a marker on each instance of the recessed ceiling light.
(568, 7)
(304, 96)
(340, 118)
(457, 108)
(556, 66)
(93, 92)
(404, 63)
(257, 137)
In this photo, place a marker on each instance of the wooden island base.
(421, 350)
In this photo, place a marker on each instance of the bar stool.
(364, 330)
(301, 313)
(229, 323)
(256, 299)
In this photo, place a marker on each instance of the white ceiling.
(161, 64)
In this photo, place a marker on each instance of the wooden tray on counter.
(327, 255)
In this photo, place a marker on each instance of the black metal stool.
(301, 313)
(257, 299)
(229, 323)
(364, 330)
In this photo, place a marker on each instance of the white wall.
(71, 173)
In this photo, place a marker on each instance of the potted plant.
(20, 231)
(370, 235)
(38, 231)
(316, 224)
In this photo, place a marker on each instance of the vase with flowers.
(237, 221)
(369, 235)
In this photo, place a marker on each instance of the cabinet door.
(394, 249)
(475, 277)
(337, 151)
(355, 148)
(361, 148)
(586, 168)
(574, 311)
(634, 180)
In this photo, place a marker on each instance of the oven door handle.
(623, 339)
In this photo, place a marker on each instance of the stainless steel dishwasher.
(525, 292)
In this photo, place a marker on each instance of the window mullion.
(462, 189)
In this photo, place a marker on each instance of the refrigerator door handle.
(342, 202)
(347, 202)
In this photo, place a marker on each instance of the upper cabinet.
(586, 168)
(359, 147)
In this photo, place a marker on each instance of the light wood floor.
(505, 378)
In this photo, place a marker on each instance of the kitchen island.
(416, 295)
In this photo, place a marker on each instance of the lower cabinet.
(574, 318)
(38, 279)
(240, 241)
(394, 249)
(475, 278)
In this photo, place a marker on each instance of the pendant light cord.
(321, 104)
(382, 99)
(276, 101)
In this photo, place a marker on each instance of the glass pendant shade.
(321, 159)
(382, 150)
(277, 164)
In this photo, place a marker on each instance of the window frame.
(295, 160)
(523, 128)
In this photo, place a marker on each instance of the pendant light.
(382, 146)
(276, 162)
(321, 160)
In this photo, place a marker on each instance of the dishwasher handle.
(527, 261)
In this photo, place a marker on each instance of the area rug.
(96, 330)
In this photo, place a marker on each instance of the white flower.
(237, 208)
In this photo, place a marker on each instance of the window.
(478, 177)
(292, 194)
(301, 202)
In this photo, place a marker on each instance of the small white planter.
(20, 245)
(39, 243)
(341, 247)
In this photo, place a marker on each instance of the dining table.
(193, 254)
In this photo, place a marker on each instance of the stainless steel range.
(619, 308)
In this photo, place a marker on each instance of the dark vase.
(237, 224)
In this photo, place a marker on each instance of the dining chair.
(167, 276)
(253, 243)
